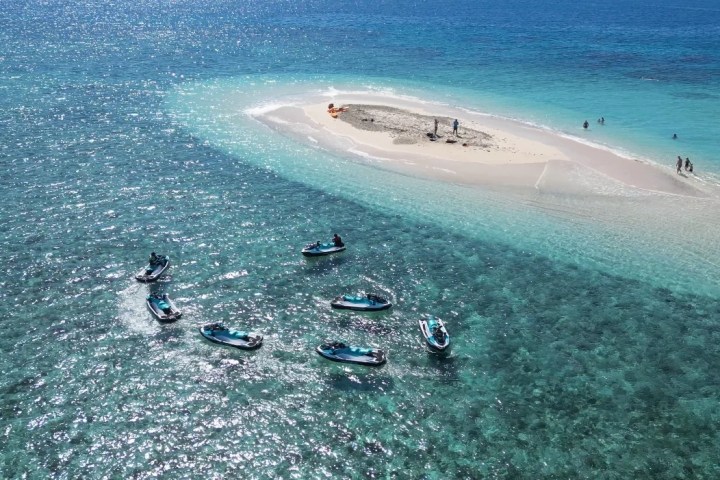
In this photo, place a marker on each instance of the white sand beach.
(554, 193)
(398, 135)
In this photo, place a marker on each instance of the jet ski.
(162, 307)
(436, 336)
(319, 249)
(152, 272)
(339, 352)
(219, 333)
(368, 303)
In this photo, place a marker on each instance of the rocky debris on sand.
(408, 127)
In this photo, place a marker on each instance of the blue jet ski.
(368, 303)
(318, 249)
(162, 308)
(436, 336)
(154, 271)
(339, 352)
(219, 333)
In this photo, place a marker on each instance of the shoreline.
(563, 197)
(397, 135)
(563, 209)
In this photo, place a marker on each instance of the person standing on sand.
(455, 127)
(435, 130)
(679, 164)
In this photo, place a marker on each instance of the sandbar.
(490, 152)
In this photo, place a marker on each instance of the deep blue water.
(559, 369)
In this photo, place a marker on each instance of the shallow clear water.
(560, 368)
(628, 232)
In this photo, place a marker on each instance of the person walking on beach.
(679, 164)
(455, 127)
(435, 130)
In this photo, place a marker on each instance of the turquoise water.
(568, 361)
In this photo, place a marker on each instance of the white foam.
(265, 108)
